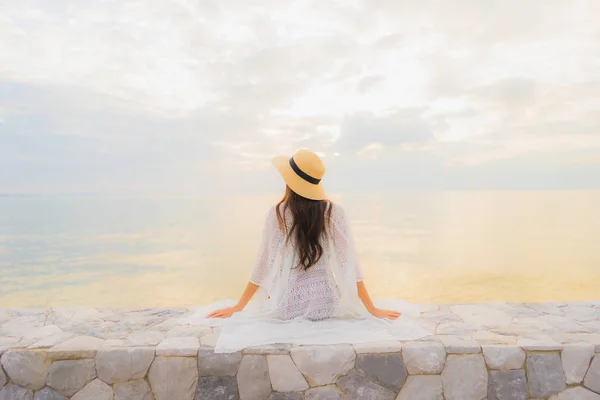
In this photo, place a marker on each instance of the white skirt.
(245, 330)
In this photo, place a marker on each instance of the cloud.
(388, 129)
(147, 94)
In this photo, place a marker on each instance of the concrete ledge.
(494, 351)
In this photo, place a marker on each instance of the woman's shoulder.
(337, 209)
(338, 214)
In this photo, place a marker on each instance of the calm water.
(424, 247)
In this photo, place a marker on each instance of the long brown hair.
(309, 225)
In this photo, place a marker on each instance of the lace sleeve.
(270, 240)
(343, 243)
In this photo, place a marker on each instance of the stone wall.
(180, 369)
(477, 352)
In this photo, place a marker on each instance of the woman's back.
(311, 293)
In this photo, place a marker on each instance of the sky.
(195, 97)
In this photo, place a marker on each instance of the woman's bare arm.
(363, 294)
(251, 288)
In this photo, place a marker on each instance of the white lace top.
(312, 294)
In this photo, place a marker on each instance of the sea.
(423, 247)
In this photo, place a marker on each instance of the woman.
(311, 284)
(305, 224)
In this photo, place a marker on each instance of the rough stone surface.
(52, 340)
(14, 392)
(286, 396)
(576, 360)
(95, 390)
(173, 378)
(28, 369)
(48, 394)
(539, 344)
(422, 387)
(69, 376)
(504, 357)
(76, 333)
(356, 386)
(481, 316)
(387, 370)
(507, 385)
(387, 346)
(146, 338)
(459, 345)
(253, 378)
(545, 374)
(578, 393)
(211, 364)
(274, 349)
(133, 390)
(324, 393)
(115, 365)
(592, 378)
(424, 357)
(178, 347)
(284, 375)
(323, 364)
(465, 378)
(217, 388)
(75, 348)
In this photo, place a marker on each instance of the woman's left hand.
(386, 314)
(224, 312)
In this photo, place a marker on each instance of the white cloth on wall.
(315, 306)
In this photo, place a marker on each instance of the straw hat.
(303, 173)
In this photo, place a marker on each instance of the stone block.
(284, 375)
(576, 360)
(15, 392)
(52, 340)
(426, 358)
(211, 364)
(385, 346)
(422, 387)
(578, 393)
(507, 385)
(178, 347)
(217, 388)
(539, 344)
(3, 377)
(387, 370)
(253, 378)
(95, 390)
(133, 390)
(324, 393)
(70, 376)
(465, 378)
(504, 357)
(48, 394)
(592, 378)
(116, 365)
(323, 365)
(26, 368)
(545, 374)
(356, 386)
(459, 345)
(173, 378)
(76, 348)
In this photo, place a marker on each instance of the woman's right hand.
(387, 314)
(224, 312)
